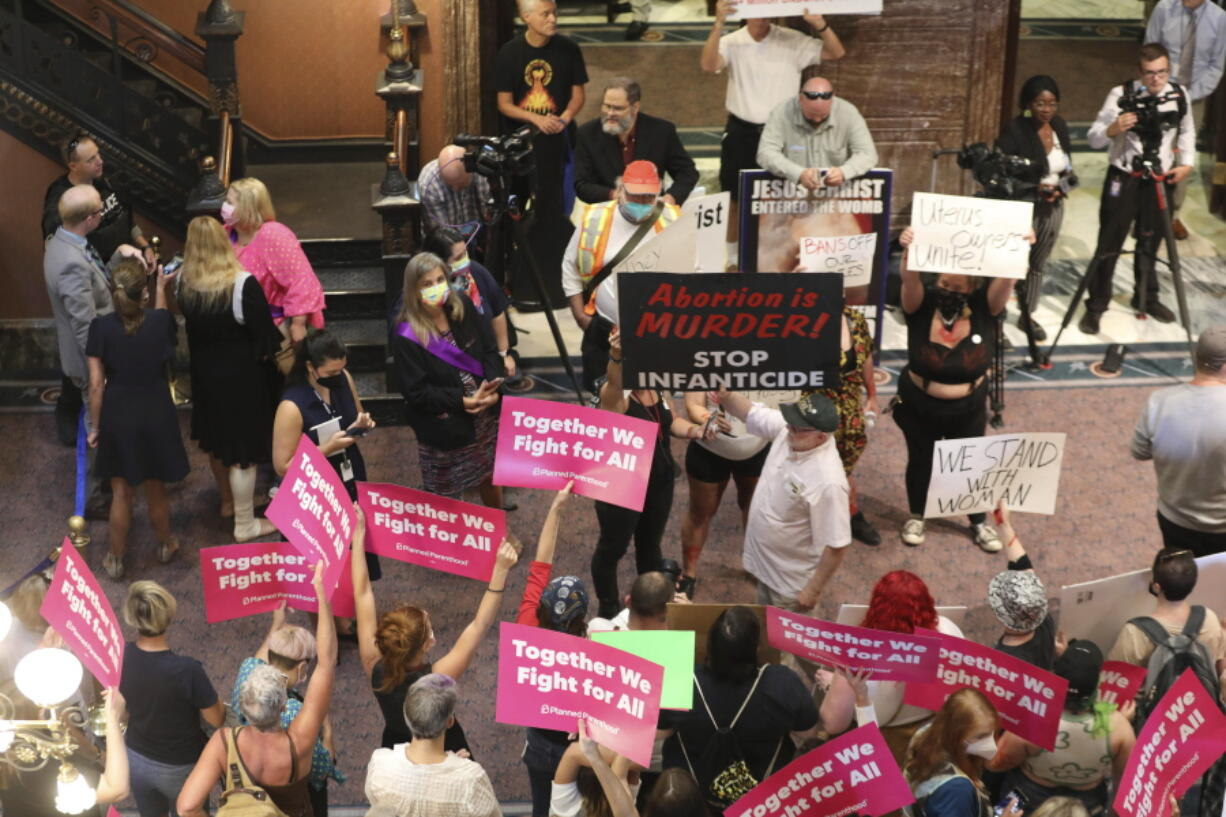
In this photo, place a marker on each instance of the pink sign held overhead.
(551, 680)
(255, 577)
(1181, 739)
(80, 612)
(1028, 699)
(852, 774)
(890, 656)
(1119, 682)
(430, 530)
(545, 444)
(314, 512)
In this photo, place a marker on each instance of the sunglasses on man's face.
(817, 94)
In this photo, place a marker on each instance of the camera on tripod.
(1151, 122)
(1001, 175)
(499, 157)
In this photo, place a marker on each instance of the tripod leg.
(522, 239)
(1172, 255)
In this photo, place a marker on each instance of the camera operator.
(1040, 135)
(1141, 139)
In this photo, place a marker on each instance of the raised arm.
(115, 783)
(363, 595)
(912, 286)
(455, 662)
(304, 729)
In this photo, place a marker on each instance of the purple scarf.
(447, 352)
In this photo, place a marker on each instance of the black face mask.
(335, 381)
(950, 304)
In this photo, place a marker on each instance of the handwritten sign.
(430, 530)
(550, 680)
(970, 236)
(850, 256)
(544, 444)
(853, 774)
(1181, 739)
(673, 650)
(1098, 609)
(746, 9)
(974, 473)
(712, 330)
(80, 612)
(891, 656)
(314, 512)
(255, 577)
(1029, 700)
(1119, 682)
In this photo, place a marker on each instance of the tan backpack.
(241, 796)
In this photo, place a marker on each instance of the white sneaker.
(913, 532)
(986, 537)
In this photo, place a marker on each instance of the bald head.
(76, 207)
(451, 168)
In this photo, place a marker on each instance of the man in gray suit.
(79, 289)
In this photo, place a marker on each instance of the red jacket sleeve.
(538, 577)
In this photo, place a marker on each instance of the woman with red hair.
(900, 603)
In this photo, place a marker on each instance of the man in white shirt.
(1194, 33)
(1127, 195)
(763, 61)
(799, 524)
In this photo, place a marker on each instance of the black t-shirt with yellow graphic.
(540, 80)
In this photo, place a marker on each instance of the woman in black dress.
(449, 372)
(232, 340)
(132, 417)
(322, 402)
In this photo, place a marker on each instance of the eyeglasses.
(817, 94)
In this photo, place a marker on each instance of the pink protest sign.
(255, 577)
(1119, 682)
(891, 656)
(852, 774)
(1181, 739)
(551, 680)
(430, 530)
(545, 444)
(1028, 699)
(80, 612)
(314, 512)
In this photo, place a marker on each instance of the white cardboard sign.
(973, 474)
(849, 255)
(970, 236)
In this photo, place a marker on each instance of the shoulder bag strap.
(627, 248)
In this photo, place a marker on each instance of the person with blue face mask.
(608, 232)
(450, 373)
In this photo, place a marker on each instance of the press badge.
(1114, 191)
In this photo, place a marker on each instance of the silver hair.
(429, 705)
(263, 697)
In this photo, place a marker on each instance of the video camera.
(1151, 122)
(499, 157)
(1000, 174)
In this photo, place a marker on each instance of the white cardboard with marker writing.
(965, 235)
(1098, 609)
(973, 474)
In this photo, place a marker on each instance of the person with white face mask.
(945, 762)
(449, 372)
(290, 649)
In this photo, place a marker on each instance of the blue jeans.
(156, 786)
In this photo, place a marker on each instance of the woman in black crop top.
(942, 392)
(619, 525)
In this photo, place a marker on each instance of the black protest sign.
(701, 331)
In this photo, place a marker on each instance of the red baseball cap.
(641, 177)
